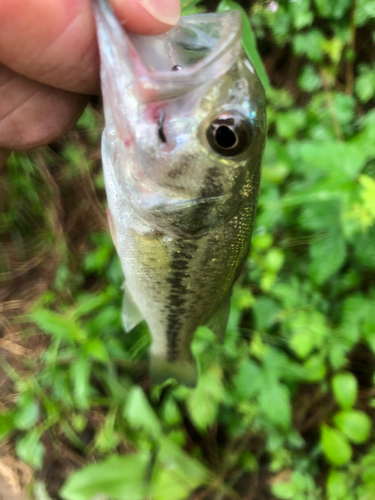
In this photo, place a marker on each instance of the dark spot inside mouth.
(160, 125)
(176, 67)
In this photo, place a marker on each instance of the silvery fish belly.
(182, 150)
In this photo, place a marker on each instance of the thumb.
(147, 17)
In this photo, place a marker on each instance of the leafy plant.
(286, 401)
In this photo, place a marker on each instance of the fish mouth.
(199, 49)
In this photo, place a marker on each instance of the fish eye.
(229, 133)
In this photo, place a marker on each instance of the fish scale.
(182, 154)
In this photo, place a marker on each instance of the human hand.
(49, 62)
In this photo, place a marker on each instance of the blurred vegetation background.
(285, 406)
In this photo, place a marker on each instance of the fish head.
(185, 112)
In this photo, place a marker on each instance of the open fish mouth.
(152, 88)
(198, 49)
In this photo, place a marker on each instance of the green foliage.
(354, 424)
(301, 486)
(203, 403)
(335, 446)
(248, 40)
(337, 486)
(139, 414)
(345, 389)
(118, 477)
(285, 399)
(365, 83)
(30, 449)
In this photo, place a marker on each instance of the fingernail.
(165, 11)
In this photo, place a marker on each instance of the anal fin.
(131, 315)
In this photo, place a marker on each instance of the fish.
(182, 148)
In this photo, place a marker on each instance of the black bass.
(182, 151)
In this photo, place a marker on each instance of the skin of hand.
(49, 62)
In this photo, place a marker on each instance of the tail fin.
(184, 371)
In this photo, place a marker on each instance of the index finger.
(54, 41)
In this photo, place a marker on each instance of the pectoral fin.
(131, 315)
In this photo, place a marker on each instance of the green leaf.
(203, 403)
(344, 106)
(80, 372)
(335, 9)
(340, 160)
(140, 414)
(248, 462)
(364, 11)
(310, 44)
(316, 368)
(6, 425)
(365, 83)
(87, 120)
(301, 13)
(191, 7)
(262, 241)
(337, 485)
(96, 349)
(121, 478)
(355, 310)
(248, 40)
(302, 343)
(266, 312)
(309, 330)
(79, 422)
(191, 469)
(88, 303)
(284, 491)
(364, 248)
(40, 491)
(274, 401)
(27, 414)
(107, 439)
(309, 80)
(57, 325)
(335, 446)
(176, 473)
(345, 388)
(247, 380)
(327, 256)
(168, 484)
(171, 413)
(355, 424)
(98, 260)
(368, 330)
(30, 449)
(290, 122)
(320, 215)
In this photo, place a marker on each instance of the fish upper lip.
(123, 53)
(197, 74)
(152, 85)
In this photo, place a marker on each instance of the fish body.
(182, 150)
